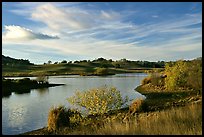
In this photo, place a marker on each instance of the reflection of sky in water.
(26, 112)
(16, 115)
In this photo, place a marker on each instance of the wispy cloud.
(104, 32)
(70, 18)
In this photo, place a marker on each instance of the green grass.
(61, 69)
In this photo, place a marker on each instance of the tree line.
(106, 63)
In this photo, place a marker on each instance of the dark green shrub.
(101, 71)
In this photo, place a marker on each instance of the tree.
(117, 65)
(76, 62)
(64, 61)
(49, 62)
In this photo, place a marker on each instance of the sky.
(151, 31)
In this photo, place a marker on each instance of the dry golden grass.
(57, 117)
(135, 106)
(176, 121)
(146, 80)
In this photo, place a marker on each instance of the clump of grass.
(135, 106)
(57, 117)
(61, 117)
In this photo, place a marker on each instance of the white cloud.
(72, 18)
(111, 15)
(59, 18)
(18, 33)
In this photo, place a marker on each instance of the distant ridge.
(12, 61)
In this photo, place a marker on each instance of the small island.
(24, 85)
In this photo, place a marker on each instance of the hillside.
(20, 67)
(12, 61)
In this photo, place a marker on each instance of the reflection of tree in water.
(42, 91)
(22, 91)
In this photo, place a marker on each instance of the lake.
(29, 111)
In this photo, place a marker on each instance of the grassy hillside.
(16, 67)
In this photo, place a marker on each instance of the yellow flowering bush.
(98, 100)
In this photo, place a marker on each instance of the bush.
(57, 117)
(194, 79)
(184, 74)
(146, 80)
(157, 80)
(75, 117)
(98, 100)
(101, 71)
(135, 106)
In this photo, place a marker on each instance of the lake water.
(29, 111)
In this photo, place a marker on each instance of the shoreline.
(150, 107)
(113, 72)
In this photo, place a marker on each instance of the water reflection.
(43, 91)
(16, 115)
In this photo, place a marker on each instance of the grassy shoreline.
(157, 103)
(81, 73)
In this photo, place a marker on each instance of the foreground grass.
(175, 121)
(185, 120)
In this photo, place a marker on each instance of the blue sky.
(151, 31)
